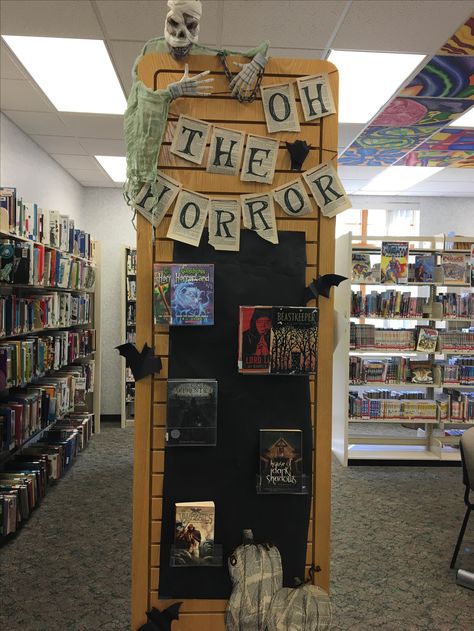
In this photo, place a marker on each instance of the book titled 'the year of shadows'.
(191, 418)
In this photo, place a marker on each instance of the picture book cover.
(454, 268)
(427, 339)
(361, 270)
(192, 294)
(394, 262)
(281, 460)
(294, 340)
(191, 418)
(194, 533)
(162, 293)
(255, 325)
(421, 371)
(424, 268)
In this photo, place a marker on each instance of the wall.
(109, 220)
(36, 176)
(437, 214)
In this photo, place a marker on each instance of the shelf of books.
(405, 350)
(129, 301)
(49, 352)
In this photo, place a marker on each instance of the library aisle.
(69, 566)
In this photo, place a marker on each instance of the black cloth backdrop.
(260, 274)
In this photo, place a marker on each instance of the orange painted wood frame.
(156, 71)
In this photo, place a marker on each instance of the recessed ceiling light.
(116, 166)
(396, 179)
(368, 80)
(75, 74)
(466, 120)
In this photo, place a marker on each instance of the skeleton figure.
(147, 110)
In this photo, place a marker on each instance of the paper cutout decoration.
(224, 224)
(321, 286)
(153, 206)
(298, 151)
(279, 105)
(189, 217)
(327, 189)
(293, 198)
(316, 96)
(225, 151)
(259, 159)
(141, 364)
(190, 138)
(258, 214)
(161, 620)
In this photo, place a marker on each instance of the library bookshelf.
(128, 331)
(49, 364)
(387, 436)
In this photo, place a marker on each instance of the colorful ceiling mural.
(411, 129)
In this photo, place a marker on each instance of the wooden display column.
(158, 70)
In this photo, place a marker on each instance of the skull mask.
(182, 26)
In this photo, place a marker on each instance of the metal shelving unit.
(128, 331)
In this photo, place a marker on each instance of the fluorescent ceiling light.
(75, 74)
(116, 166)
(396, 179)
(466, 120)
(368, 80)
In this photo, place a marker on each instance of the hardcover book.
(162, 293)
(194, 533)
(421, 371)
(472, 265)
(427, 339)
(192, 294)
(394, 262)
(294, 340)
(424, 268)
(454, 268)
(191, 418)
(281, 460)
(362, 271)
(255, 325)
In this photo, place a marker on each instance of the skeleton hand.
(191, 86)
(246, 79)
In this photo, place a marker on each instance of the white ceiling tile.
(440, 188)
(38, 122)
(286, 23)
(297, 53)
(347, 133)
(94, 125)
(19, 94)
(8, 68)
(145, 19)
(50, 18)
(358, 172)
(75, 162)
(103, 147)
(453, 174)
(124, 55)
(89, 175)
(60, 145)
(401, 25)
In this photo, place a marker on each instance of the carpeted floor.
(394, 530)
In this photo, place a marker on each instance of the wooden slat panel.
(158, 438)
(158, 461)
(206, 615)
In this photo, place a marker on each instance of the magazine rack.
(158, 70)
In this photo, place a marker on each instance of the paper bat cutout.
(322, 286)
(161, 620)
(141, 364)
(298, 151)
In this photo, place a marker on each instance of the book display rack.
(405, 353)
(49, 355)
(128, 333)
(210, 352)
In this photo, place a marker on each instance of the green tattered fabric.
(146, 116)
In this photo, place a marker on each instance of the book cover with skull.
(192, 294)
